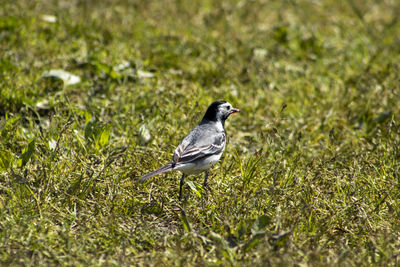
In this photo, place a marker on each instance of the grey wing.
(189, 151)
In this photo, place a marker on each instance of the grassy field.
(311, 172)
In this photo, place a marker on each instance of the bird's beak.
(234, 110)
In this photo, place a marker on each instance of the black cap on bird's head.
(219, 110)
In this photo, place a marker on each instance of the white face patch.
(224, 111)
(226, 107)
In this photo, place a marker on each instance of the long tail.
(163, 169)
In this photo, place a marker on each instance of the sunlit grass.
(310, 172)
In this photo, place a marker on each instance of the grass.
(310, 175)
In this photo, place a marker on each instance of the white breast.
(199, 166)
(219, 126)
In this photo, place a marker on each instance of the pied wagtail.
(202, 147)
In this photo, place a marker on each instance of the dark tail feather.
(163, 169)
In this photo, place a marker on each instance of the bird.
(202, 147)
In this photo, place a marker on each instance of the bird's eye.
(228, 107)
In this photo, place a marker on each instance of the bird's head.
(219, 111)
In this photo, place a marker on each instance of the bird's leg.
(181, 185)
(205, 179)
(206, 188)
